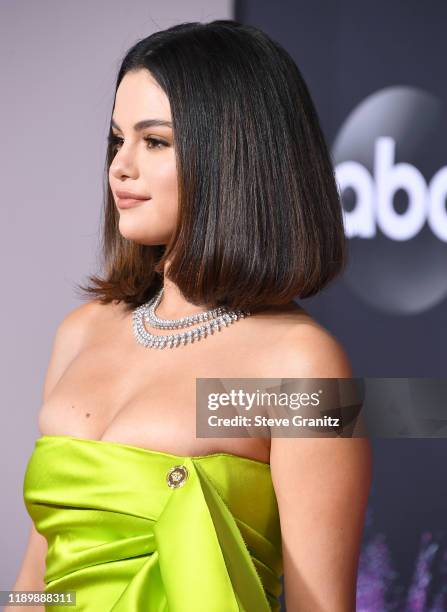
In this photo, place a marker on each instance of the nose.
(124, 164)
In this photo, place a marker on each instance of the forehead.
(139, 96)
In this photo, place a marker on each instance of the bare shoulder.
(72, 332)
(311, 350)
(81, 315)
(78, 324)
(300, 347)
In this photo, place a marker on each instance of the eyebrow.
(145, 123)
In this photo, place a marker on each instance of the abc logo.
(388, 158)
(374, 194)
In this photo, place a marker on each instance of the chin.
(133, 230)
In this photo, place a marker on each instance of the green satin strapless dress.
(137, 530)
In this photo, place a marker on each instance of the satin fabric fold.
(125, 541)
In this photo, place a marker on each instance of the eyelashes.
(115, 142)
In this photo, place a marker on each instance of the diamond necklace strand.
(151, 318)
(214, 319)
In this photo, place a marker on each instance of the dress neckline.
(105, 443)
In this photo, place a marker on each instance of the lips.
(133, 195)
(130, 202)
(129, 199)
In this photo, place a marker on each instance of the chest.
(119, 391)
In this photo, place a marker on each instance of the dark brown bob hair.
(260, 215)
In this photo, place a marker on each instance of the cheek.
(162, 183)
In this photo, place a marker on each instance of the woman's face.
(144, 162)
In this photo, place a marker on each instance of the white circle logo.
(395, 214)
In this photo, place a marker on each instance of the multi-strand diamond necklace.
(210, 321)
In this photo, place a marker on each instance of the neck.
(173, 304)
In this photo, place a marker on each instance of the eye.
(115, 142)
(158, 144)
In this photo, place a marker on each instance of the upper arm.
(322, 487)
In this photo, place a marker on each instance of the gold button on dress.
(177, 476)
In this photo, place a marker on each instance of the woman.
(221, 199)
